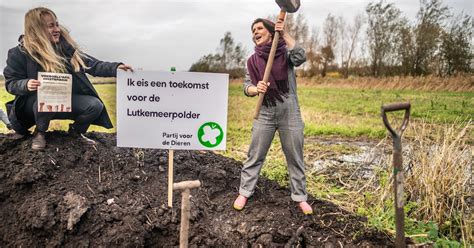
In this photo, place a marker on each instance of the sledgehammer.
(287, 6)
(185, 209)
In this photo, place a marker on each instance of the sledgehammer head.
(290, 6)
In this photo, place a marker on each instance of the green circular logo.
(210, 134)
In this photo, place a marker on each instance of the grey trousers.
(85, 110)
(286, 118)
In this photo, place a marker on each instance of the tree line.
(379, 42)
(229, 58)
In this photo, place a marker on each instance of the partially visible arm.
(16, 78)
(248, 86)
(103, 69)
(280, 27)
(252, 90)
(290, 42)
(296, 54)
(125, 67)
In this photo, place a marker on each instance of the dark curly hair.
(269, 25)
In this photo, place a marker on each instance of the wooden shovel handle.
(269, 65)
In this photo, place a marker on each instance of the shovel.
(287, 6)
(398, 167)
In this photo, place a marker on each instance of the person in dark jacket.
(280, 111)
(47, 46)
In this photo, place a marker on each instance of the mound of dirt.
(105, 196)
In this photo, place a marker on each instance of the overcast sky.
(158, 34)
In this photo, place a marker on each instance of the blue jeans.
(286, 118)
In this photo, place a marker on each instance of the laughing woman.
(280, 111)
(47, 46)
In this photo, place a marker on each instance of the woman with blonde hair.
(47, 46)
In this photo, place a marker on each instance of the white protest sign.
(55, 92)
(172, 110)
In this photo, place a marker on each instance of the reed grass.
(439, 179)
(464, 83)
(438, 184)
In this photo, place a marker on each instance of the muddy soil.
(73, 195)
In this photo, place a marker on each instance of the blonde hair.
(37, 42)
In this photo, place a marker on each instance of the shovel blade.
(290, 6)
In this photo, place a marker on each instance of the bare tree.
(343, 36)
(428, 34)
(383, 23)
(298, 28)
(313, 55)
(405, 48)
(226, 49)
(329, 42)
(230, 58)
(349, 37)
(232, 55)
(456, 47)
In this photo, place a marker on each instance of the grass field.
(326, 111)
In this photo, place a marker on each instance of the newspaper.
(55, 92)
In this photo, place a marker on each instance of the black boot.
(80, 136)
(39, 141)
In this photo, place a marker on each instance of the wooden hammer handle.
(269, 65)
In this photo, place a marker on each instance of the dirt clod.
(74, 207)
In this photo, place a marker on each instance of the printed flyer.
(55, 92)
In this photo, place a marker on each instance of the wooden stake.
(170, 177)
(170, 168)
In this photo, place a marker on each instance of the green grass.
(350, 112)
(356, 112)
(326, 111)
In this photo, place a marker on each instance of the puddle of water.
(369, 156)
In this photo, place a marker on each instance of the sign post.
(170, 169)
(170, 177)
